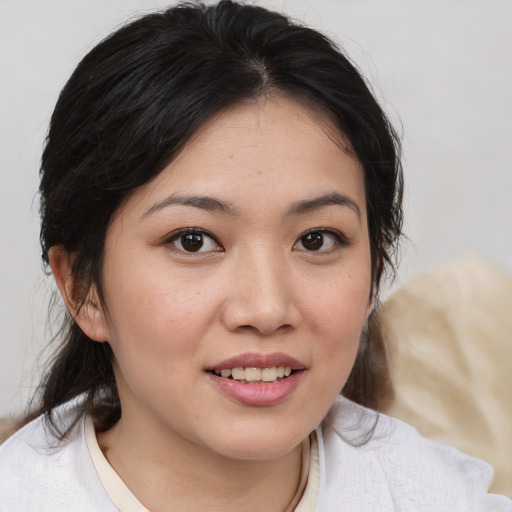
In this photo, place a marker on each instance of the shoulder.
(388, 461)
(39, 472)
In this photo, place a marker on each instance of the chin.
(263, 451)
(258, 444)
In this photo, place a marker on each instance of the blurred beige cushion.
(449, 339)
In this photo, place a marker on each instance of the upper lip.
(255, 360)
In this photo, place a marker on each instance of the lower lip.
(261, 394)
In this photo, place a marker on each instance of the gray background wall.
(443, 70)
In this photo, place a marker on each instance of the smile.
(255, 375)
(257, 379)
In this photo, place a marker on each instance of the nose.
(261, 295)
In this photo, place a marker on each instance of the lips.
(257, 379)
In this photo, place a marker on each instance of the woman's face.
(245, 259)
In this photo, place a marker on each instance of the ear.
(86, 311)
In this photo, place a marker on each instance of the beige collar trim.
(117, 490)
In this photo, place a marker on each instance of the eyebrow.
(225, 207)
(334, 198)
(204, 202)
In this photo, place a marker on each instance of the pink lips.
(258, 394)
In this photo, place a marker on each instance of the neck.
(165, 468)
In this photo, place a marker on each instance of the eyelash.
(339, 239)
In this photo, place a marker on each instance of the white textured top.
(395, 470)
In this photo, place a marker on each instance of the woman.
(220, 197)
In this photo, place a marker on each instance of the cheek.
(341, 305)
(338, 333)
(155, 314)
(155, 334)
(337, 317)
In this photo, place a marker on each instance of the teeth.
(271, 374)
(238, 373)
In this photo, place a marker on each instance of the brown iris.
(192, 242)
(312, 241)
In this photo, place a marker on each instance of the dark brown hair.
(136, 99)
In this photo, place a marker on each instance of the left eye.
(316, 241)
(194, 241)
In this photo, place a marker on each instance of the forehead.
(273, 121)
(270, 149)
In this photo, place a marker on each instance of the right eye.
(194, 241)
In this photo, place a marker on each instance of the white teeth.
(252, 374)
(271, 374)
(238, 373)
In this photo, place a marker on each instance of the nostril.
(264, 330)
(250, 312)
